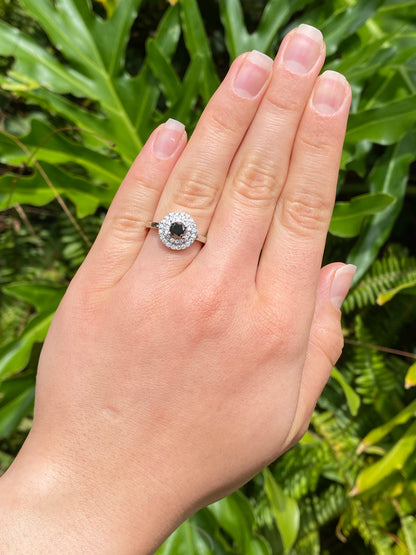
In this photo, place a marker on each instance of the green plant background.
(82, 85)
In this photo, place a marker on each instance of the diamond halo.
(173, 241)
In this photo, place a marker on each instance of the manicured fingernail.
(304, 49)
(341, 284)
(253, 74)
(329, 93)
(168, 138)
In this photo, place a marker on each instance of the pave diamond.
(177, 230)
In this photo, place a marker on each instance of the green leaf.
(392, 462)
(188, 539)
(42, 297)
(87, 76)
(36, 191)
(389, 175)
(285, 510)
(162, 69)
(409, 531)
(378, 433)
(11, 413)
(235, 515)
(236, 34)
(198, 45)
(345, 22)
(50, 145)
(275, 14)
(348, 217)
(15, 355)
(387, 296)
(183, 109)
(117, 27)
(383, 125)
(410, 379)
(353, 399)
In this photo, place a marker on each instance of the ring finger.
(198, 177)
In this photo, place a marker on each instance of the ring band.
(177, 230)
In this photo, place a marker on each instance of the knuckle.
(318, 142)
(222, 123)
(305, 212)
(282, 103)
(255, 183)
(126, 226)
(208, 313)
(195, 193)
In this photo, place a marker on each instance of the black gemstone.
(177, 229)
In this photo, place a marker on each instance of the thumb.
(325, 340)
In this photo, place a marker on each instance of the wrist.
(48, 508)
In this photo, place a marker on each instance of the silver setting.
(172, 241)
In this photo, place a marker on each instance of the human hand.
(170, 378)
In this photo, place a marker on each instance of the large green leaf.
(198, 45)
(15, 355)
(353, 399)
(50, 145)
(43, 297)
(392, 462)
(345, 21)
(381, 431)
(95, 68)
(383, 125)
(285, 510)
(388, 176)
(188, 539)
(348, 217)
(37, 191)
(12, 411)
(235, 515)
(275, 14)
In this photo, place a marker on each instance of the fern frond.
(374, 379)
(393, 270)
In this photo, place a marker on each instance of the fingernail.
(168, 138)
(329, 93)
(253, 74)
(303, 49)
(341, 284)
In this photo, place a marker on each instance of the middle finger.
(259, 169)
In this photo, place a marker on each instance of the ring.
(177, 230)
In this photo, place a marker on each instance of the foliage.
(75, 109)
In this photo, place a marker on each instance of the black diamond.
(177, 229)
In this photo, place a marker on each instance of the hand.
(170, 378)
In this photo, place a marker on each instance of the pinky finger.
(123, 231)
(325, 342)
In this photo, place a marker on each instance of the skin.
(169, 379)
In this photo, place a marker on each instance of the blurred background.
(82, 85)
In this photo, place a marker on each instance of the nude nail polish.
(303, 50)
(167, 140)
(341, 284)
(253, 74)
(329, 93)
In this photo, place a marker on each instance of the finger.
(291, 259)
(123, 231)
(259, 169)
(325, 341)
(198, 178)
